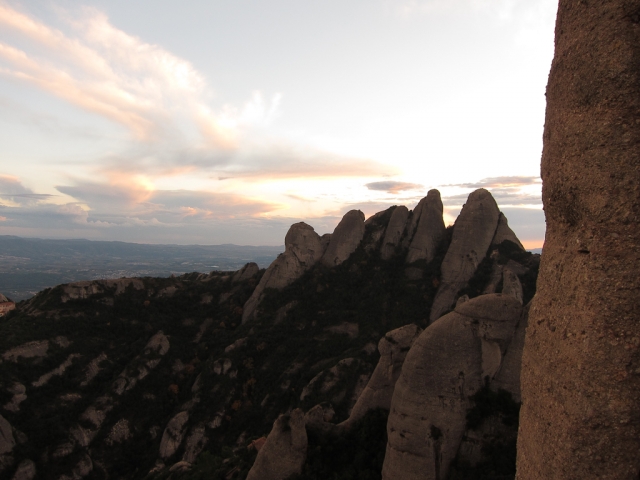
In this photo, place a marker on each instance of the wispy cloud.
(393, 187)
(162, 100)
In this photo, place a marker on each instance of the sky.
(220, 121)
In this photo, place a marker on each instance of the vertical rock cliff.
(581, 361)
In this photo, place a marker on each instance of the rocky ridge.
(186, 375)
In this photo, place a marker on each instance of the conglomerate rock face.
(473, 233)
(447, 363)
(581, 362)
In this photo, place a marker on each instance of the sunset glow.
(233, 124)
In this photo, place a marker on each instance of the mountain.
(28, 265)
(288, 371)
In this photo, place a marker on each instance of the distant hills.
(28, 265)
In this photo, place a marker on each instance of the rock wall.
(581, 362)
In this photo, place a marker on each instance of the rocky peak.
(429, 229)
(473, 233)
(303, 249)
(504, 232)
(393, 234)
(345, 238)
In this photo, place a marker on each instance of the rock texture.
(393, 234)
(303, 249)
(429, 229)
(473, 233)
(285, 451)
(504, 232)
(26, 471)
(393, 348)
(245, 273)
(447, 363)
(581, 362)
(173, 434)
(7, 442)
(345, 238)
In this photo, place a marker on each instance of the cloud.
(162, 100)
(393, 187)
(120, 203)
(13, 192)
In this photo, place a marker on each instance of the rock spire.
(473, 233)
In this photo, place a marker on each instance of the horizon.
(226, 123)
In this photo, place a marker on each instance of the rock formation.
(581, 362)
(26, 471)
(245, 273)
(429, 229)
(393, 348)
(473, 233)
(345, 238)
(285, 451)
(7, 442)
(393, 234)
(447, 363)
(504, 232)
(303, 248)
(173, 434)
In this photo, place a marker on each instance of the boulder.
(504, 232)
(303, 249)
(7, 442)
(472, 235)
(446, 364)
(26, 471)
(511, 284)
(173, 434)
(345, 238)
(194, 444)
(245, 273)
(429, 231)
(393, 234)
(285, 451)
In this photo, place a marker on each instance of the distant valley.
(29, 265)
